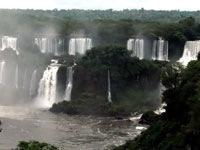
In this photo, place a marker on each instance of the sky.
(188, 5)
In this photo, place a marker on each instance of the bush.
(34, 145)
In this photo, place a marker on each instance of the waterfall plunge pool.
(67, 132)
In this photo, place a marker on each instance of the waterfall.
(154, 49)
(47, 86)
(79, 45)
(41, 42)
(69, 84)
(50, 45)
(162, 50)
(130, 44)
(16, 79)
(33, 85)
(142, 49)
(191, 50)
(59, 46)
(9, 42)
(2, 71)
(137, 47)
(109, 88)
(72, 47)
(9, 76)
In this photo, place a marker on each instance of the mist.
(78, 76)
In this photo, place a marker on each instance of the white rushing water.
(161, 51)
(154, 50)
(140, 49)
(9, 76)
(33, 85)
(2, 71)
(109, 88)
(69, 84)
(50, 45)
(161, 109)
(191, 49)
(47, 86)
(137, 47)
(79, 45)
(67, 132)
(8, 42)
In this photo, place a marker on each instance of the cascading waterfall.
(130, 44)
(42, 43)
(59, 45)
(50, 45)
(47, 86)
(79, 45)
(137, 47)
(8, 42)
(9, 76)
(2, 71)
(142, 49)
(33, 85)
(109, 88)
(191, 50)
(69, 84)
(154, 50)
(162, 50)
(161, 109)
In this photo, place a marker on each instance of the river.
(67, 132)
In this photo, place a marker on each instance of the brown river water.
(64, 131)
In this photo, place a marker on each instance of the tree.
(34, 145)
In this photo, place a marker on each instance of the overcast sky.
(103, 4)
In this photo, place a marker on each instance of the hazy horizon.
(102, 4)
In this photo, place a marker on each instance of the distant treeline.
(106, 26)
(109, 14)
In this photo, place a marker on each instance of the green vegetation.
(179, 127)
(89, 105)
(134, 83)
(103, 27)
(78, 14)
(34, 145)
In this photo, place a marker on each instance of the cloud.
(102, 4)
